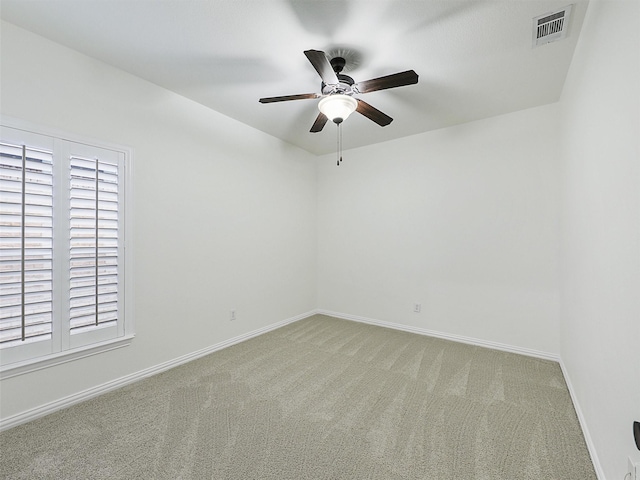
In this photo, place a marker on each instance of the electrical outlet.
(633, 469)
(233, 315)
(417, 307)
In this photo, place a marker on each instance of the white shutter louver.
(94, 229)
(26, 244)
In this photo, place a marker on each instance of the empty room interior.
(291, 239)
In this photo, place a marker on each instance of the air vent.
(551, 27)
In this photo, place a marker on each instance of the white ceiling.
(474, 58)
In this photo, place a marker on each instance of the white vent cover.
(551, 27)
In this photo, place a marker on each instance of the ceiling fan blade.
(319, 124)
(285, 98)
(389, 81)
(373, 113)
(319, 61)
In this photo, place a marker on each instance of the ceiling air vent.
(551, 27)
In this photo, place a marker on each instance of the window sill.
(28, 366)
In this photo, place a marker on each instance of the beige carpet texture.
(321, 398)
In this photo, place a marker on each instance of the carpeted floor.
(321, 398)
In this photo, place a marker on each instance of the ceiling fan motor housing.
(343, 87)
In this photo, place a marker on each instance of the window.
(63, 272)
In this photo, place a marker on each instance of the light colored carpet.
(321, 398)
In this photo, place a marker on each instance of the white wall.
(225, 216)
(463, 220)
(600, 339)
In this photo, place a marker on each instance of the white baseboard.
(583, 424)
(446, 336)
(41, 411)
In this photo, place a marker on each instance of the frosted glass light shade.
(337, 107)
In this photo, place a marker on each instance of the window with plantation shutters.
(63, 237)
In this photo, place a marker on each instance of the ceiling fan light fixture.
(337, 107)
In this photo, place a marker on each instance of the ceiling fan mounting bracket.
(338, 63)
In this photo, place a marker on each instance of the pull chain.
(339, 144)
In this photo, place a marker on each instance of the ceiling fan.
(338, 90)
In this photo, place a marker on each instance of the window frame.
(66, 350)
